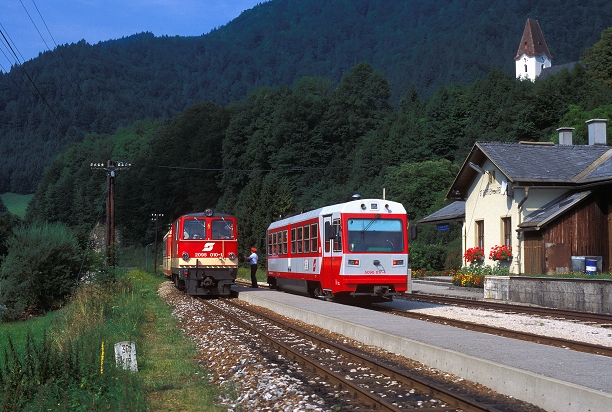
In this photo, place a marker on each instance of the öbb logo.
(208, 246)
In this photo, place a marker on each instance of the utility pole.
(155, 217)
(111, 167)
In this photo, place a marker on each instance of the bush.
(427, 256)
(41, 268)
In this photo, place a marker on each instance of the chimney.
(597, 131)
(565, 136)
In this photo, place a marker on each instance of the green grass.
(16, 204)
(245, 273)
(169, 379)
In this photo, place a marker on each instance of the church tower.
(532, 55)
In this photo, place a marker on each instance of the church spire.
(532, 55)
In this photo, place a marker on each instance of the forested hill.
(96, 88)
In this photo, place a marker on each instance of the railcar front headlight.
(231, 256)
(186, 256)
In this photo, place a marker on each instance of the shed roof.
(552, 210)
(451, 213)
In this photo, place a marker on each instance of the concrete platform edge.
(548, 393)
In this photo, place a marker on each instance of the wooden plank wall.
(584, 228)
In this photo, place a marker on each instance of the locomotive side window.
(177, 231)
(285, 242)
(300, 237)
(292, 240)
(222, 229)
(306, 238)
(338, 238)
(314, 246)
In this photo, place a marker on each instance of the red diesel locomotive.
(200, 253)
(356, 251)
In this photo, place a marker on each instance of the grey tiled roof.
(549, 71)
(454, 211)
(547, 163)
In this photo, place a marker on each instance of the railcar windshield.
(375, 235)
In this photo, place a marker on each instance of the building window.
(480, 233)
(507, 231)
(525, 68)
(491, 174)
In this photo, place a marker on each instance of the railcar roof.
(354, 206)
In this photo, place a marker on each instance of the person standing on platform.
(252, 258)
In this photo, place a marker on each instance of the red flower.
(474, 254)
(503, 252)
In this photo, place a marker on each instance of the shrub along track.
(361, 380)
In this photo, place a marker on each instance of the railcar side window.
(280, 242)
(299, 239)
(337, 239)
(274, 247)
(306, 238)
(269, 243)
(293, 240)
(314, 246)
(285, 242)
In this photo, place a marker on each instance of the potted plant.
(474, 255)
(503, 252)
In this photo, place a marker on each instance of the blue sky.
(70, 21)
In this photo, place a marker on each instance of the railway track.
(600, 319)
(508, 333)
(366, 383)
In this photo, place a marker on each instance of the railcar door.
(332, 251)
(328, 247)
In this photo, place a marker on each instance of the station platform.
(554, 379)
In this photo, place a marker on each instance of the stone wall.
(585, 295)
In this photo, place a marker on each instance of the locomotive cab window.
(194, 229)
(375, 235)
(222, 229)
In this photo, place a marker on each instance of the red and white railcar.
(200, 253)
(357, 250)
